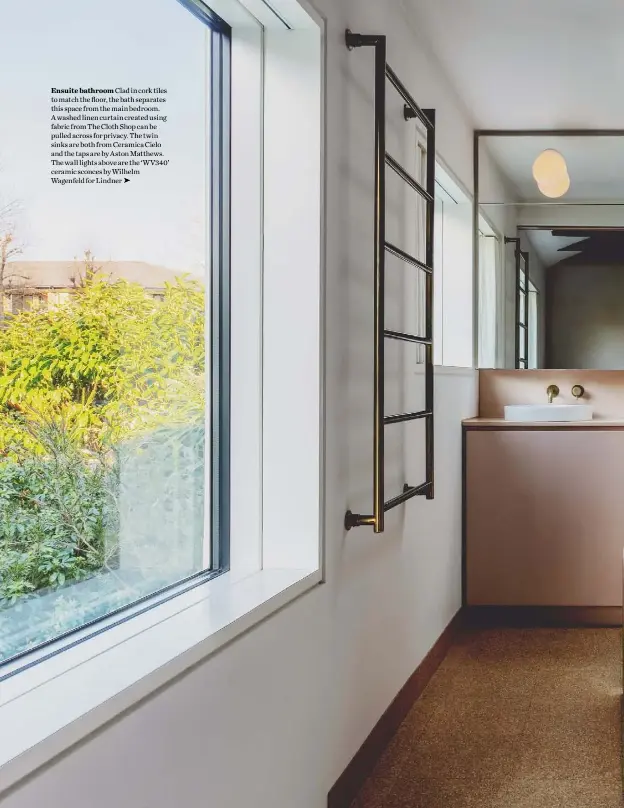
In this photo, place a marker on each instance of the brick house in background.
(33, 285)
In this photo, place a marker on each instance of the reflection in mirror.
(549, 243)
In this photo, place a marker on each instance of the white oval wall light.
(555, 188)
(551, 174)
(549, 165)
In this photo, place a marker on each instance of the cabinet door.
(545, 517)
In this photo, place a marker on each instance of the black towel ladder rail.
(426, 117)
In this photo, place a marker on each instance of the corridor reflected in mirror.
(549, 249)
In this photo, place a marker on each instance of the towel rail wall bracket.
(411, 111)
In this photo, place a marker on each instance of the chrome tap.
(552, 391)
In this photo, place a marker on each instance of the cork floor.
(513, 718)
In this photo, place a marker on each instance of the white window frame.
(277, 544)
(449, 191)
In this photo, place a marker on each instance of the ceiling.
(595, 166)
(539, 64)
(547, 246)
(530, 63)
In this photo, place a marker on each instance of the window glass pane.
(104, 185)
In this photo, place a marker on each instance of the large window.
(161, 410)
(114, 310)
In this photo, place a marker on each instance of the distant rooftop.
(64, 274)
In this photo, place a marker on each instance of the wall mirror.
(549, 249)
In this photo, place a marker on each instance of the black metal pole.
(379, 225)
(549, 132)
(429, 253)
(379, 268)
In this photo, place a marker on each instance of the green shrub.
(111, 365)
(58, 518)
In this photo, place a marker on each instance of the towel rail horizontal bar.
(399, 253)
(407, 416)
(404, 93)
(406, 177)
(407, 337)
(409, 491)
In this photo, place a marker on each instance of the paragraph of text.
(106, 136)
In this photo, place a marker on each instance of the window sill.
(59, 701)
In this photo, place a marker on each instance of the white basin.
(548, 412)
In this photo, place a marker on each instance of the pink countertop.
(500, 423)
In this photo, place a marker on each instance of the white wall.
(571, 216)
(273, 719)
(586, 317)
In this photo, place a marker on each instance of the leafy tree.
(9, 250)
(112, 367)
(110, 362)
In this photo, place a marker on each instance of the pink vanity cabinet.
(544, 515)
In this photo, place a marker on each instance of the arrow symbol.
(126, 179)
